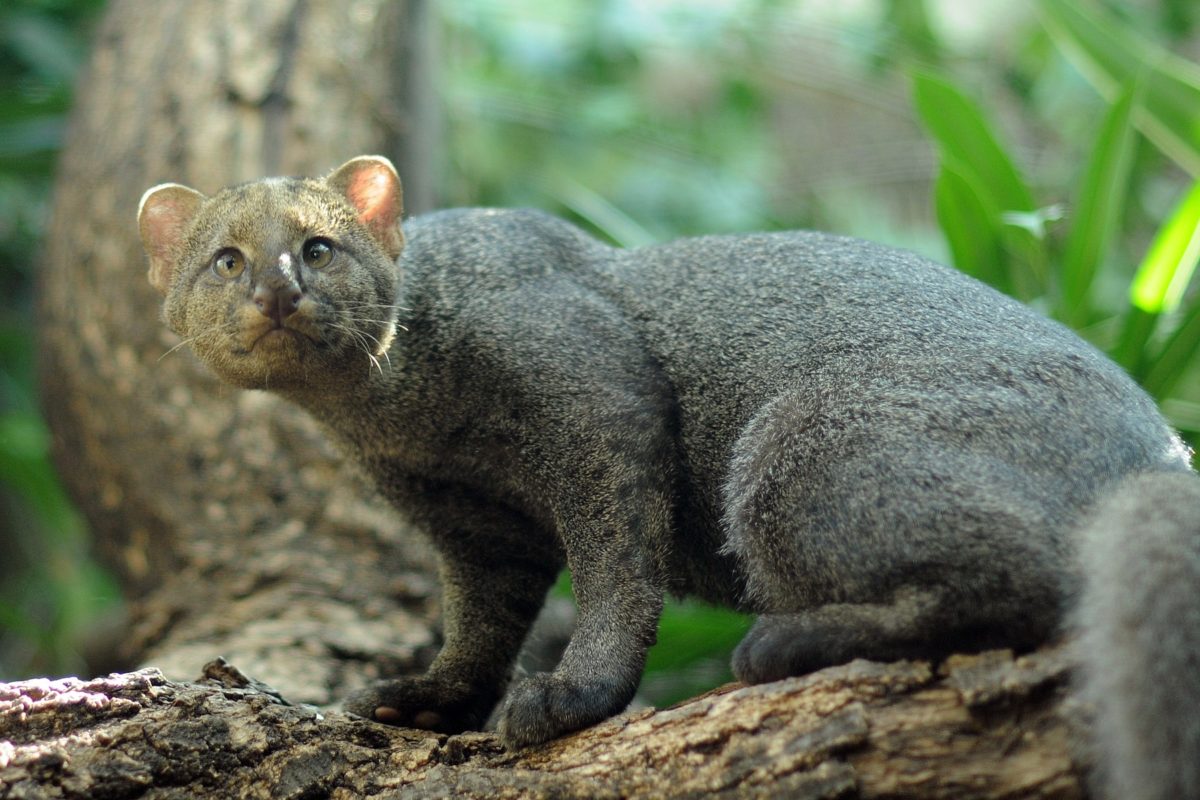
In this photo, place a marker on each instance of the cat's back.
(496, 248)
(882, 341)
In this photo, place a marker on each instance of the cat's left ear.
(372, 186)
(164, 215)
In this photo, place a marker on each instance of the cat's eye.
(317, 253)
(228, 263)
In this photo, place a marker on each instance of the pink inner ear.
(163, 219)
(372, 191)
(166, 222)
(372, 187)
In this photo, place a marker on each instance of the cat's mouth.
(280, 336)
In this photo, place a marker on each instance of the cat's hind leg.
(782, 645)
(861, 537)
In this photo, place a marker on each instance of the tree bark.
(990, 727)
(237, 531)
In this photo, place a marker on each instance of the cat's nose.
(278, 303)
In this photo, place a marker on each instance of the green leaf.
(971, 227)
(1099, 207)
(1157, 289)
(690, 630)
(1176, 356)
(25, 470)
(605, 217)
(962, 133)
(1184, 415)
(965, 140)
(1110, 56)
(907, 34)
(1130, 350)
(1169, 263)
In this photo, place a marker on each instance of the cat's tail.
(1139, 633)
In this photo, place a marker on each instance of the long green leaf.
(1130, 350)
(1110, 56)
(970, 226)
(909, 32)
(965, 140)
(963, 134)
(1099, 204)
(1184, 415)
(1158, 285)
(1176, 356)
(603, 215)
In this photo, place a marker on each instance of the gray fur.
(879, 455)
(1139, 619)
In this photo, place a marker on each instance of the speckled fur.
(879, 455)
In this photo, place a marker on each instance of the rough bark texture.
(238, 532)
(990, 727)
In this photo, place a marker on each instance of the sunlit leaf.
(1167, 268)
(1034, 222)
(1158, 286)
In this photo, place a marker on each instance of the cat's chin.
(270, 361)
(289, 363)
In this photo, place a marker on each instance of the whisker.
(360, 339)
(216, 329)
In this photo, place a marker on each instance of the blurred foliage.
(1048, 148)
(49, 589)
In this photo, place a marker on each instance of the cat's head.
(284, 282)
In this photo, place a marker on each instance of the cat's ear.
(371, 185)
(164, 215)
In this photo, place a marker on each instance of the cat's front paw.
(547, 705)
(425, 702)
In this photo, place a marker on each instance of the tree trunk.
(237, 531)
(233, 526)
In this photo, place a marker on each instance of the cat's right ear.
(370, 184)
(164, 215)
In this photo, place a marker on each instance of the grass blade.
(1177, 355)
(963, 134)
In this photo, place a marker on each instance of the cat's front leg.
(608, 533)
(602, 665)
(495, 573)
